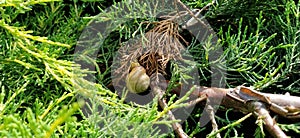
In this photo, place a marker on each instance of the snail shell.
(137, 80)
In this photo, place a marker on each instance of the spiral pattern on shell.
(137, 80)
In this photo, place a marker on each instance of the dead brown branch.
(247, 100)
(261, 112)
(163, 104)
(241, 99)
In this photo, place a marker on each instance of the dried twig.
(230, 125)
(163, 104)
(247, 100)
(261, 112)
(214, 124)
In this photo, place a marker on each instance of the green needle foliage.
(44, 93)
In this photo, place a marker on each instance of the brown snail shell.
(137, 81)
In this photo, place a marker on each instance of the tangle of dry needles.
(153, 50)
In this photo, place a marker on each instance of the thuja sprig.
(25, 35)
(23, 6)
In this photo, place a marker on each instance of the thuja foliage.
(261, 45)
(40, 82)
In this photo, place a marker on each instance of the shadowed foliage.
(44, 92)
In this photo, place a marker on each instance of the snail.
(137, 81)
